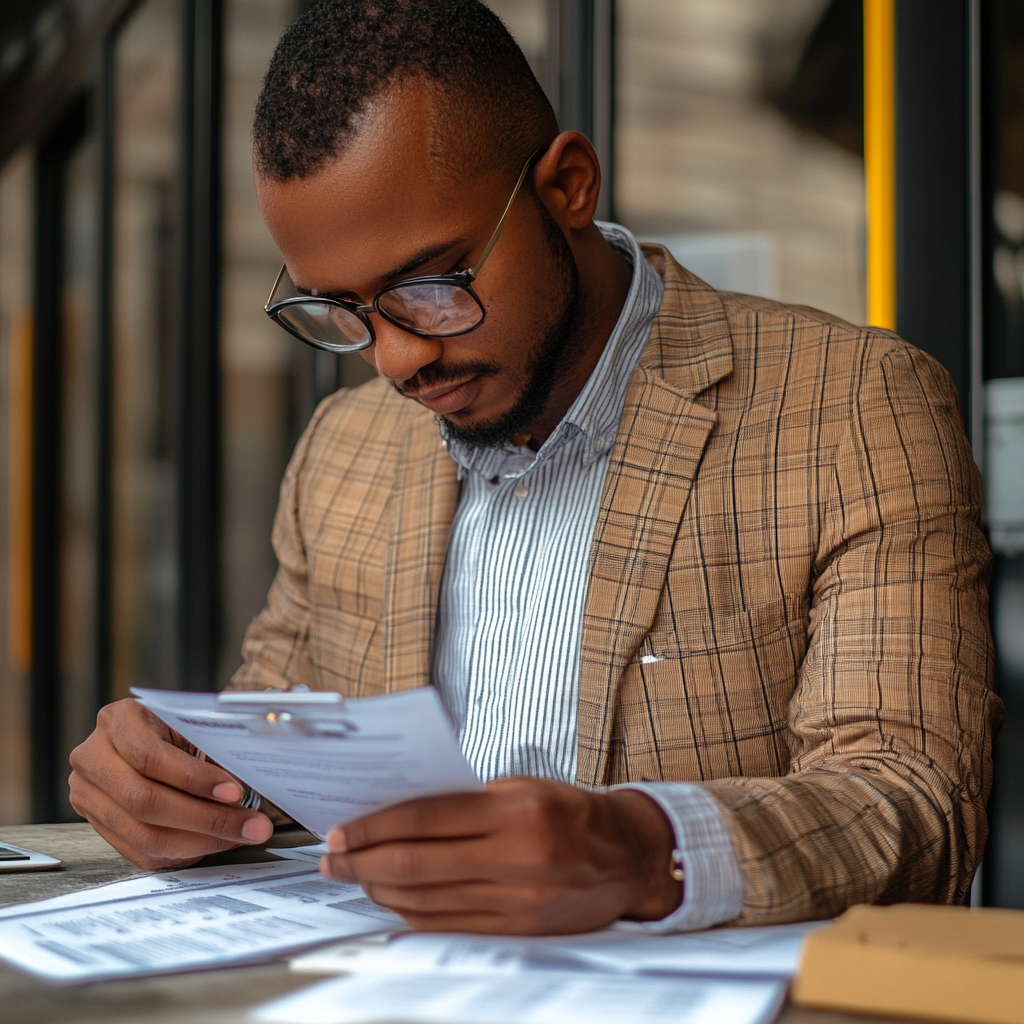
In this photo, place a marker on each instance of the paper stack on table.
(724, 976)
(194, 919)
(772, 952)
(203, 918)
(550, 998)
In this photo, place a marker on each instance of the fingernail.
(336, 841)
(230, 792)
(257, 830)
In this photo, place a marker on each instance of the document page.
(146, 883)
(552, 998)
(737, 952)
(772, 950)
(325, 766)
(186, 920)
(309, 854)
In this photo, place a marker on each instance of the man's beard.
(559, 343)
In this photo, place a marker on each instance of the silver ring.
(251, 800)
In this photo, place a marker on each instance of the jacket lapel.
(422, 508)
(660, 442)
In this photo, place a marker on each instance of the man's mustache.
(437, 374)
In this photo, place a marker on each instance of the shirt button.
(600, 444)
(521, 492)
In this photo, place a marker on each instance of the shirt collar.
(594, 416)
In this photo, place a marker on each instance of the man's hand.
(151, 800)
(524, 856)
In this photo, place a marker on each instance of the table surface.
(200, 997)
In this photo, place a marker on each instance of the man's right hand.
(135, 782)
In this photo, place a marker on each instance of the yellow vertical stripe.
(19, 523)
(880, 158)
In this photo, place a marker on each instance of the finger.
(153, 803)
(128, 732)
(484, 924)
(511, 922)
(457, 815)
(470, 898)
(148, 846)
(426, 862)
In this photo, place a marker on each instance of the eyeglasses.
(439, 306)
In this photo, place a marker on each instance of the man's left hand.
(523, 856)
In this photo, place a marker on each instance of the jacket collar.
(690, 346)
(651, 471)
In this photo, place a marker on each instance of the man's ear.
(567, 180)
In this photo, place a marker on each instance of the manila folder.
(912, 960)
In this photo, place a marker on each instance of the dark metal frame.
(48, 332)
(197, 363)
(938, 216)
(1001, 873)
(580, 80)
(105, 114)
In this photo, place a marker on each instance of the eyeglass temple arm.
(504, 216)
(273, 291)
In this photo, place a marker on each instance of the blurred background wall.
(148, 406)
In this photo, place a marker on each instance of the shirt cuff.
(713, 890)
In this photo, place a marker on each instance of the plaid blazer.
(789, 523)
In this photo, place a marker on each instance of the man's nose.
(398, 355)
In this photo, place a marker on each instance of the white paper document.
(186, 920)
(308, 854)
(323, 764)
(771, 952)
(551, 998)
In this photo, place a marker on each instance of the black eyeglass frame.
(463, 279)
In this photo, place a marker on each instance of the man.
(721, 552)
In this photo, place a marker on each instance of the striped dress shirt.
(507, 648)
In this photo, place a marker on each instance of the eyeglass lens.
(431, 307)
(326, 325)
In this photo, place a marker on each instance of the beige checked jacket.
(789, 522)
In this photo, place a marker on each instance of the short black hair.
(341, 54)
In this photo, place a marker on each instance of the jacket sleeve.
(275, 650)
(893, 714)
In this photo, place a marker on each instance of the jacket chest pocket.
(680, 633)
(710, 699)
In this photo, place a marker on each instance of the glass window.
(1004, 452)
(147, 59)
(79, 452)
(268, 385)
(15, 482)
(716, 158)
